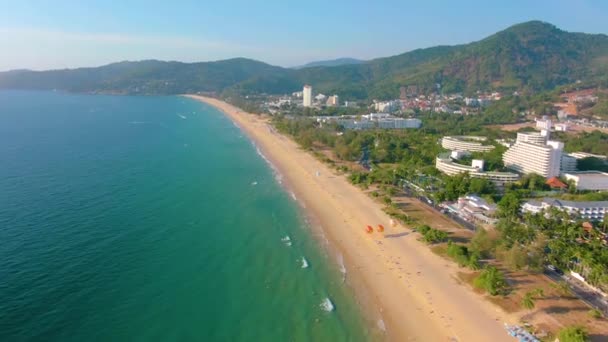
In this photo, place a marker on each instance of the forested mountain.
(332, 62)
(533, 55)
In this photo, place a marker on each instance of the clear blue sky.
(56, 34)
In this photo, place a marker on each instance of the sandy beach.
(400, 280)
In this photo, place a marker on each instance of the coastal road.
(589, 296)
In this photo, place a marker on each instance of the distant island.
(532, 56)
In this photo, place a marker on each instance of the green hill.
(530, 56)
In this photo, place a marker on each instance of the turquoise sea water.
(152, 219)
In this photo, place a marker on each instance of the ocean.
(129, 218)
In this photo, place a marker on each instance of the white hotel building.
(530, 154)
(445, 164)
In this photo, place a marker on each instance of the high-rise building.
(307, 96)
(333, 101)
(526, 157)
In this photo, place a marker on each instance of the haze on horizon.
(43, 35)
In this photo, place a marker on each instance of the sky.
(52, 34)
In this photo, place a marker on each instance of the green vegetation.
(432, 235)
(491, 280)
(590, 142)
(463, 256)
(595, 313)
(572, 334)
(592, 163)
(529, 299)
(462, 184)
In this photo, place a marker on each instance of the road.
(586, 294)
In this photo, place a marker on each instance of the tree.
(483, 243)
(509, 205)
(491, 280)
(528, 301)
(572, 334)
(562, 288)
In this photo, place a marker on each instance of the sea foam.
(327, 305)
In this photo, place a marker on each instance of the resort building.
(589, 180)
(532, 137)
(371, 121)
(307, 96)
(446, 165)
(526, 157)
(591, 211)
(583, 155)
(465, 143)
(398, 123)
(569, 163)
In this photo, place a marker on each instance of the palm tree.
(528, 301)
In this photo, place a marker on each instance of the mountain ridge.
(533, 56)
(330, 62)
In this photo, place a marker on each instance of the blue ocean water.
(152, 219)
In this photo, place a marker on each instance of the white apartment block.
(465, 143)
(589, 180)
(446, 165)
(525, 157)
(307, 96)
(593, 211)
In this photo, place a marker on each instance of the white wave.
(342, 266)
(327, 305)
(286, 238)
(288, 244)
(277, 175)
(182, 116)
(304, 263)
(293, 196)
(381, 325)
(254, 183)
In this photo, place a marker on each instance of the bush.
(595, 313)
(431, 235)
(491, 280)
(462, 256)
(572, 334)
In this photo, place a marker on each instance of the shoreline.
(415, 292)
